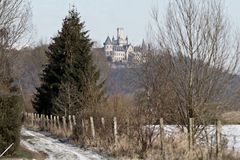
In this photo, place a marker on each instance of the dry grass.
(23, 153)
(231, 117)
(176, 148)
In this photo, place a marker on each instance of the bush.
(10, 121)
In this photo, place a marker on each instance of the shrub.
(10, 121)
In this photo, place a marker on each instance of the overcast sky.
(102, 17)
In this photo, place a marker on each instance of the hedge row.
(10, 121)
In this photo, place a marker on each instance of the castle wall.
(108, 49)
(118, 56)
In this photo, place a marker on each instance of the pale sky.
(102, 17)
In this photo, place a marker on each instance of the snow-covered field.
(229, 132)
(232, 133)
(54, 148)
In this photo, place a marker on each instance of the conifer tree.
(70, 80)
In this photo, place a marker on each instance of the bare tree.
(203, 56)
(14, 21)
(101, 62)
(68, 98)
(152, 75)
(14, 24)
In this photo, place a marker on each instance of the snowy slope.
(54, 148)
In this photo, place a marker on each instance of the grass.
(23, 153)
(231, 117)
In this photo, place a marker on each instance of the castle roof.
(137, 49)
(108, 41)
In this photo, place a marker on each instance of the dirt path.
(54, 149)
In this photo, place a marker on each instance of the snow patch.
(54, 148)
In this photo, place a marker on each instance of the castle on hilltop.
(120, 50)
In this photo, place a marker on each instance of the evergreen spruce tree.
(70, 80)
(51, 77)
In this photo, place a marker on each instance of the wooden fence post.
(92, 127)
(162, 137)
(32, 119)
(28, 120)
(64, 125)
(38, 121)
(115, 129)
(58, 125)
(103, 122)
(70, 123)
(84, 129)
(190, 134)
(25, 118)
(74, 120)
(54, 124)
(218, 140)
(51, 123)
(41, 121)
(44, 122)
(47, 120)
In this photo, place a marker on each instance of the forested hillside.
(29, 62)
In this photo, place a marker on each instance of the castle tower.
(120, 37)
(120, 33)
(144, 46)
(108, 46)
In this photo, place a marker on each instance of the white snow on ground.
(229, 132)
(36, 141)
(232, 133)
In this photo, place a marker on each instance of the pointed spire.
(144, 46)
(108, 41)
